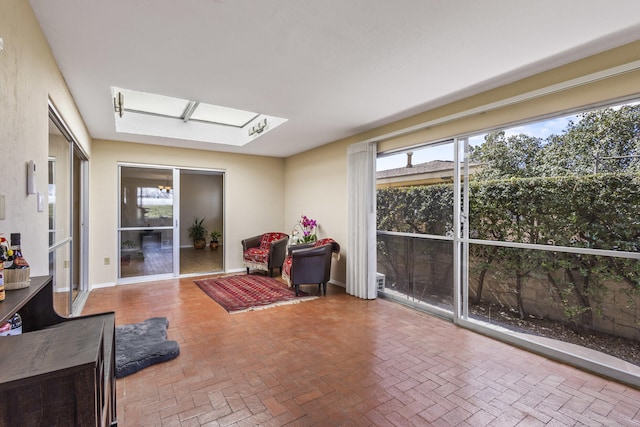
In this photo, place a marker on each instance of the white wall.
(253, 197)
(29, 76)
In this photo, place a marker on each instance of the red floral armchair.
(310, 264)
(265, 252)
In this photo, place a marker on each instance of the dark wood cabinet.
(60, 371)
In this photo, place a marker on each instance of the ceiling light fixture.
(258, 127)
(165, 188)
(118, 104)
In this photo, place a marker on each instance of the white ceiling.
(334, 68)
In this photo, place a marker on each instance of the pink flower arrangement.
(308, 229)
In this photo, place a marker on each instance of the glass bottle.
(16, 324)
(18, 260)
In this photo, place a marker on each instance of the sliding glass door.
(157, 207)
(146, 229)
(415, 237)
(66, 195)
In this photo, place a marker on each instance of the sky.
(541, 129)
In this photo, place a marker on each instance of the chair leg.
(247, 270)
(271, 272)
(324, 287)
(297, 288)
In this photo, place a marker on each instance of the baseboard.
(101, 285)
(337, 283)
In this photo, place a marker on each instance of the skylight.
(158, 115)
(222, 115)
(141, 102)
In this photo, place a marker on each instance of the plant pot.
(213, 245)
(199, 243)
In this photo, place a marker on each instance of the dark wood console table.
(60, 371)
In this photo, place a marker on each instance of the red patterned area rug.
(245, 293)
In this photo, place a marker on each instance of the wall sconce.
(258, 127)
(118, 104)
(1, 44)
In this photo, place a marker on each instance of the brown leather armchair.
(310, 264)
(265, 252)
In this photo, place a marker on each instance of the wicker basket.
(16, 279)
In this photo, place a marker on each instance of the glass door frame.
(82, 240)
(176, 236)
(78, 236)
(207, 172)
(451, 238)
(175, 256)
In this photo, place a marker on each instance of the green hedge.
(595, 211)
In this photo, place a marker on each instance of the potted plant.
(215, 235)
(198, 233)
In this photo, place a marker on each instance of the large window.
(544, 224)
(415, 212)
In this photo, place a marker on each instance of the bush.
(592, 211)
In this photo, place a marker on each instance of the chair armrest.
(299, 246)
(251, 242)
(311, 252)
(278, 251)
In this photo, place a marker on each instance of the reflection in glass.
(59, 268)
(146, 252)
(59, 186)
(51, 197)
(146, 197)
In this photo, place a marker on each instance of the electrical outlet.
(66, 264)
(107, 261)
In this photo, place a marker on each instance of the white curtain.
(361, 220)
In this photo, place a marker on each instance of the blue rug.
(143, 344)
